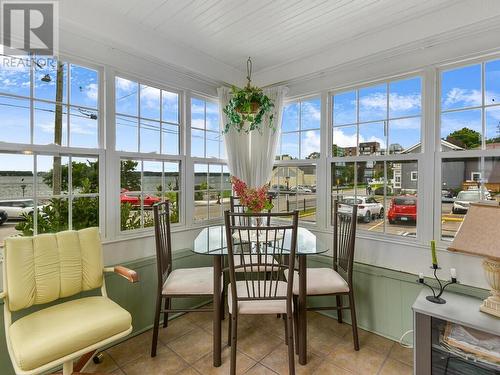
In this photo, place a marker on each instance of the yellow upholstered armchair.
(43, 269)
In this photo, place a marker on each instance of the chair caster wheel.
(98, 358)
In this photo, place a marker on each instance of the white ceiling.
(279, 35)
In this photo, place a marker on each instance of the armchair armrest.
(3, 294)
(129, 274)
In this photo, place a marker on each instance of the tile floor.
(185, 348)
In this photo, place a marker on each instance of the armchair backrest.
(46, 267)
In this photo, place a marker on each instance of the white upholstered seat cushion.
(320, 281)
(267, 263)
(258, 306)
(190, 281)
(57, 331)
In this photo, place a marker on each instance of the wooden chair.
(257, 294)
(44, 269)
(179, 283)
(336, 281)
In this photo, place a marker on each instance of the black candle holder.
(436, 298)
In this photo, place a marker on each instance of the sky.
(388, 113)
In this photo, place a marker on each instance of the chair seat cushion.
(266, 263)
(190, 281)
(320, 281)
(258, 306)
(63, 329)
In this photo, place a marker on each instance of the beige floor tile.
(205, 364)
(165, 362)
(257, 343)
(277, 361)
(107, 364)
(131, 349)
(365, 361)
(258, 369)
(375, 342)
(201, 319)
(322, 340)
(188, 371)
(393, 367)
(328, 368)
(193, 345)
(117, 372)
(322, 322)
(402, 354)
(176, 328)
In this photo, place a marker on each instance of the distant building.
(369, 148)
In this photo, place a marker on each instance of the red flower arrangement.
(254, 199)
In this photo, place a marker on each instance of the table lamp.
(479, 234)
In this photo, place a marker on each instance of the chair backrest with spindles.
(344, 236)
(163, 240)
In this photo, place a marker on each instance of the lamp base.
(491, 306)
(436, 300)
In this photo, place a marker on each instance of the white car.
(368, 207)
(15, 208)
(464, 199)
(300, 189)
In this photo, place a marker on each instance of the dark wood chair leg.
(234, 339)
(229, 325)
(156, 327)
(354, 321)
(285, 322)
(296, 324)
(168, 305)
(291, 356)
(339, 310)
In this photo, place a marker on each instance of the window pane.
(130, 176)
(290, 146)
(491, 179)
(170, 134)
(370, 195)
(305, 193)
(84, 86)
(215, 177)
(83, 128)
(52, 175)
(372, 138)
(373, 103)
(459, 187)
(150, 102)
(15, 76)
(492, 135)
(403, 134)
(15, 124)
(492, 82)
(290, 121)
(50, 81)
(461, 87)
(212, 122)
(126, 133)
(16, 176)
(213, 143)
(172, 178)
(226, 178)
(200, 176)
(345, 108)
(344, 141)
(309, 144)
(405, 97)
(170, 109)
(127, 93)
(197, 113)
(197, 143)
(152, 178)
(462, 129)
(201, 192)
(46, 116)
(342, 182)
(85, 212)
(310, 115)
(150, 136)
(85, 175)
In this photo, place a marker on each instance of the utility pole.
(56, 169)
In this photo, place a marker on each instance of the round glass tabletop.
(212, 241)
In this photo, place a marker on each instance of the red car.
(403, 208)
(134, 200)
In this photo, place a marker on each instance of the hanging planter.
(248, 107)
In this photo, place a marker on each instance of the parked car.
(464, 199)
(368, 207)
(149, 200)
(16, 208)
(3, 216)
(300, 189)
(447, 196)
(403, 208)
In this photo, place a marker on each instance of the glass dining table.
(211, 241)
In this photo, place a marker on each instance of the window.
(206, 134)
(144, 183)
(147, 118)
(375, 130)
(294, 188)
(300, 130)
(377, 120)
(44, 101)
(43, 193)
(212, 189)
(470, 139)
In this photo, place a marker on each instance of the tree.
(130, 177)
(313, 155)
(465, 137)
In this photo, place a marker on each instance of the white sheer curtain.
(250, 157)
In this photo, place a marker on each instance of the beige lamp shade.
(479, 233)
